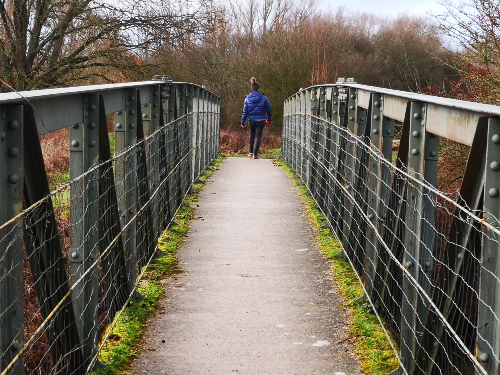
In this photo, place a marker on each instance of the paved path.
(256, 296)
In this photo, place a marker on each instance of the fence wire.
(416, 250)
(78, 273)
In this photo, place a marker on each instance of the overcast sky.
(383, 7)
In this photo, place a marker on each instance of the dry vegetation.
(236, 141)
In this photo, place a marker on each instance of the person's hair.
(255, 86)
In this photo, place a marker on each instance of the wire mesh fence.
(426, 258)
(70, 259)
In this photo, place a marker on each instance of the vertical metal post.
(350, 120)
(322, 153)
(307, 110)
(196, 131)
(488, 326)
(126, 179)
(153, 114)
(413, 223)
(373, 184)
(84, 146)
(217, 135)
(11, 237)
(298, 128)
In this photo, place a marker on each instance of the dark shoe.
(255, 157)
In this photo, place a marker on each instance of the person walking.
(258, 111)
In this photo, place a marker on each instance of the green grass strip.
(124, 342)
(372, 346)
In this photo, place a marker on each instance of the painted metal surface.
(429, 267)
(103, 255)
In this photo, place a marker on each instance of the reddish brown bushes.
(236, 141)
(55, 148)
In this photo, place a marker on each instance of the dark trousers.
(256, 128)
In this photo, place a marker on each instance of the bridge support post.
(84, 147)
(488, 325)
(151, 122)
(11, 237)
(126, 180)
(374, 184)
(195, 157)
(348, 168)
(419, 234)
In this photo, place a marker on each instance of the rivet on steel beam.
(14, 125)
(351, 107)
(75, 143)
(414, 152)
(375, 131)
(132, 98)
(16, 345)
(75, 126)
(92, 143)
(14, 178)
(334, 103)
(92, 125)
(119, 113)
(376, 104)
(74, 255)
(145, 115)
(2, 136)
(155, 115)
(495, 138)
(335, 94)
(484, 357)
(156, 104)
(460, 255)
(352, 96)
(416, 116)
(92, 107)
(493, 192)
(132, 126)
(408, 264)
(494, 166)
(351, 118)
(388, 132)
(416, 134)
(433, 154)
(132, 112)
(118, 125)
(13, 152)
(376, 117)
(334, 112)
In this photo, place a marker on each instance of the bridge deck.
(256, 296)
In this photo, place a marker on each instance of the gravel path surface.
(254, 296)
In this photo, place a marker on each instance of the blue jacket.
(256, 107)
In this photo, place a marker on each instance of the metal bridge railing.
(429, 261)
(70, 259)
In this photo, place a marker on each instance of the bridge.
(71, 258)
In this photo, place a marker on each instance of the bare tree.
(59, 42)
